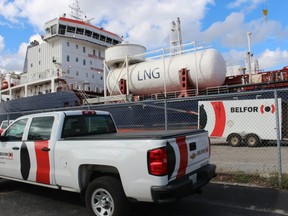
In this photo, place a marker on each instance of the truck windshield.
(83, 125)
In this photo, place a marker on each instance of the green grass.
(271, 180)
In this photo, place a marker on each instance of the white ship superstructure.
(69, 58)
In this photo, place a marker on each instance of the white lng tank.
(148, 77)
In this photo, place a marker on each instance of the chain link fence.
(248, 130)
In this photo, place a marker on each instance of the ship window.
(77, 73)
(62, 29)
(39, 50)
(77, 59)
(68, 58)
(109, 40)
(95, 35)
(39, 62)
(68, 44)
(76, 46)
(53, 29)
(115, 42)
(84, 62)
(31, 65)
(94, 52)
(88, 33)
(47, 30)
(102, 38)
(84, 49)
(71, 29)
(93, 76)
(79, 31)
(90, 62)
(99, 53)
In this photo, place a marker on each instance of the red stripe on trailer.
(273, 108)
(262, 108)
(181, 142)
(220, 119)
(43, 162)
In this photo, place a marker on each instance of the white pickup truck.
(81, 151)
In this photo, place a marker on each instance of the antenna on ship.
(76, 13)
(175, 37)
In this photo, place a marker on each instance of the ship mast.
(175, 37)
(76, 13)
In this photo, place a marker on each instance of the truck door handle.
(15, 148)
(45, 149)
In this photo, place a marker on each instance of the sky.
(222, 24)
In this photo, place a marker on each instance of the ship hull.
(15, 108)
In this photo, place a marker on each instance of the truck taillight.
(157, 161)
(88, 112)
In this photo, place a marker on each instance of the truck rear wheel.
(105, 197)
(234, 140)
(252, 140)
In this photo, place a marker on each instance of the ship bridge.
(79, 29)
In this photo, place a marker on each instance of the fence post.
(278, 138)
(165, 114)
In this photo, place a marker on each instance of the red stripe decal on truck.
(181, 142)
(43, 162)
(220, 119)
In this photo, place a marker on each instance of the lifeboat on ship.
(5, 84)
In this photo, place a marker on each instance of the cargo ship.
(62, 69)
(77, 63)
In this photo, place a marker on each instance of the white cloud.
(234, 57)
(148, 23)
(274, 59)
(2, 45)
(268, 60)
(232, 32)
(14, 61)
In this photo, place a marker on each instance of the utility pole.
(249, 55)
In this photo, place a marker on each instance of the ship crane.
(265, 9)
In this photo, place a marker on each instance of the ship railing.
(183, 94)
(168, 52)
(217, 90)
(109, 99)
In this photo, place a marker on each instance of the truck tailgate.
(187, 153)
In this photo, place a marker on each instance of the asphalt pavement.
(215, 200)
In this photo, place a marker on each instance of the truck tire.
(234, 140)
(252, 140)
(105, 197)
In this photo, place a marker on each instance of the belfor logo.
(265, 109)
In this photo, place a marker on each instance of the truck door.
(13, 151)
(40, 152)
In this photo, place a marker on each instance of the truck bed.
(139, 135)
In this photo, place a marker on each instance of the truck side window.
(15, 131)
(40, 128)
